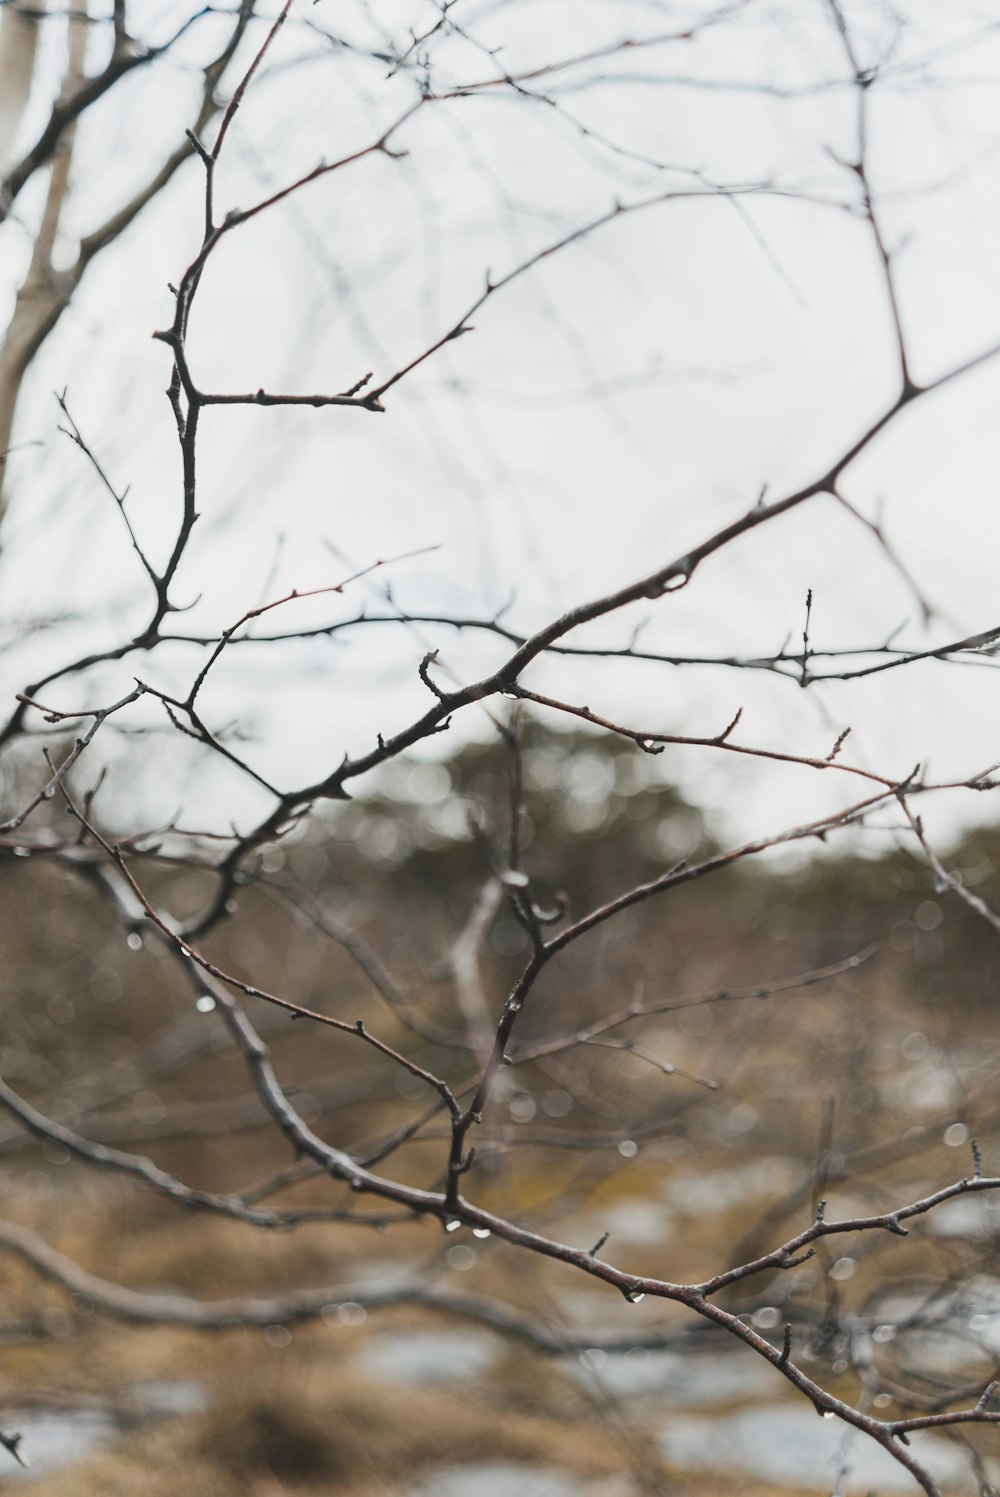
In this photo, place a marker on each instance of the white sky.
(612, 408)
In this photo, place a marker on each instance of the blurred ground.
(865, 1089)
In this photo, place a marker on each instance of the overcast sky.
(613, 407)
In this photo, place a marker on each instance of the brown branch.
(81, 744)
(66, 111)
(653, 742)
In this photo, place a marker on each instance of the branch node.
(987, 1394)
(202, 152)
(427, 661)
(724, 735)
(797, 1258)
(842, 739)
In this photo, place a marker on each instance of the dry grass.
(293, 1420)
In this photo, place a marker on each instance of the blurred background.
(614, 406)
